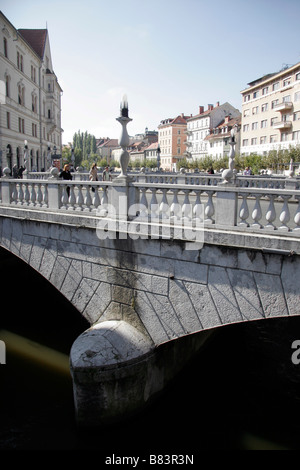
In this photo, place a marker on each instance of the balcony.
(284, 106)
(282, 125)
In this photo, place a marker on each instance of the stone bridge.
(148, 263)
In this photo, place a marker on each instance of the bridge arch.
(34, 308)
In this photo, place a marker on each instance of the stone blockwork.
(139, 296)
(158, 286)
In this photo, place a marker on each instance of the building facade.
(200, 126)
(218, 140)
(271, 112)
(172, 141)
(30, 98)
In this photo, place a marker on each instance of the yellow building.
(271, 112)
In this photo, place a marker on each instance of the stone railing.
(247, 208)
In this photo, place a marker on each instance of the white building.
(271, 112)
(202, 124)
(30, 97)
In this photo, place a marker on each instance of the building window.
(255, 110)
(296, 135)
(255, 94)
(296, 116)
(246, 112)
(273, 139)
(264, 107)
(274, 103)
(297, 96)
(245, 142)
(34, 130)
(21, 126)
(287, 81)
(284, 137)
(21, 95)
(7, 86)
(263, 123)
(286, 99)
(246, 98)
(254, 141)
(298, 76)
(245, 127)
(265, 90)
(254, 126)
(276, 86)
(8, 120)
(5, 47)
(263, 139)
(273, 121)
(20, 61)
(34, 103)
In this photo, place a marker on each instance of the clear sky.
(167, 56)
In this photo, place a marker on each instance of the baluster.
(198, 208)
(79, 199)
(14, 194)
(72, 199)
(20, 194)
(144, 204)
(186, 210)
(39, 197)
(256, 213)
(96, 198)
(103, 208)
(27, 194)
(32, 195)
(209, 209)
(285, 213)
(271, 213)
(153, 205)
(45, 196)
(65, 197)
(175, 209)
(87, 199)
(244, 211)
(164, 209)
(297, 215)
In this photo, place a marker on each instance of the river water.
(240, 392)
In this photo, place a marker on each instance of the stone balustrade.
(246, 208)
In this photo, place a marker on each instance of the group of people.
(66, 174)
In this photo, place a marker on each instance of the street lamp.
(124, 119)
(26, 159)
(158, 157)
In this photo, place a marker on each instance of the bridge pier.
(117, 370)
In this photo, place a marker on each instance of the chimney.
(227, 118)
(217, 104)
(210, 107)
(201, 109)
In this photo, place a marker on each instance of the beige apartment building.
(271, 112)
(172, 141)
(30, 98)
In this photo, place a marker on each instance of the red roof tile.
(36, 38)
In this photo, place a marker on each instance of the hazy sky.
(168, 56)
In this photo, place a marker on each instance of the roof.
(109, 143)
(36, 38)
(181, 119)
(229, 124)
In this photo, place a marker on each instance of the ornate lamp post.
(229, 173)
(26, 157)
(158, 157)
(124, 119)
